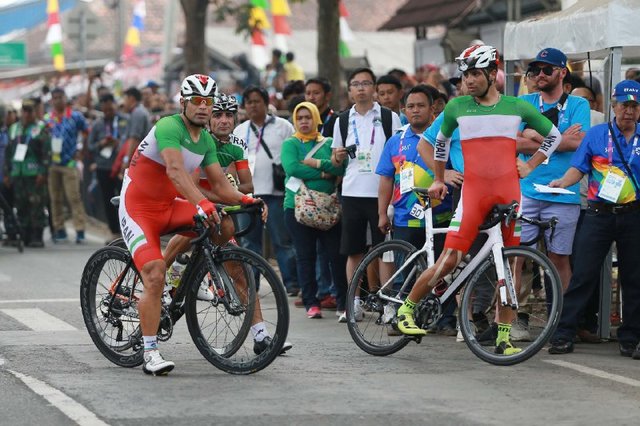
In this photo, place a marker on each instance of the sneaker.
(359, 310)
(636, 352)
(314, 312)
(298, 303)
(506, 348)
(293, 292)
(489, 336)
(389, 313)
(342, 316)
(407, 325)
(460, 337)
(447, 330)
(259, 347)
(328, 302)
(520, 331)
(204, 292)
(79, 237)
(59, 236)
(155, 364)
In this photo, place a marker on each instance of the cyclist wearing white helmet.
(488, 124)
(159, 172)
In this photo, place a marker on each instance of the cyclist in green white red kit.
(488, 124)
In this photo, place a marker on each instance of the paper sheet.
(545, 189)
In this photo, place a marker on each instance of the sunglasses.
(548, 71)
(198, 100)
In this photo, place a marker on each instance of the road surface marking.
(597, 373)
(69, 407)
(38, 320)
(39, 301)
(1, 361)
(4, 278)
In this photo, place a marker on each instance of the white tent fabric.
(587, 26)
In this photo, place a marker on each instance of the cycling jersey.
(488, 139)
(232, 152)
(148, 203)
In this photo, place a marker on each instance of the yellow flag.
(258, 18)
(280, 8)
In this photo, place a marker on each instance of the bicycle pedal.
(417, 339)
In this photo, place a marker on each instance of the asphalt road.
(51, 373)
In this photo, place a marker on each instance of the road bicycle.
(491, 279)
(245, 289)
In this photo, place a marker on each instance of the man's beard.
(551, 86)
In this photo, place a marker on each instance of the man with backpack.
(360, 134)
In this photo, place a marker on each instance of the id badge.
(106, 152)
(21, 153)
(417, 211)
(611, 187)
(364, 162)
(406, 179)
(56, 145)
(293, 184)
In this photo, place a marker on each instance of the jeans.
(109, 187)
(280, 239)
(598, 231)
(305, 241)
(323, 273)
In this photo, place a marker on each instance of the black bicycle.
(245, 288)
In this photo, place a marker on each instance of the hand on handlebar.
(207, 210)
(438, 190)
(248, 200)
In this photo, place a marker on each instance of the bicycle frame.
(493, 245)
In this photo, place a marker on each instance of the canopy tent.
(604, 29)
(25, 14)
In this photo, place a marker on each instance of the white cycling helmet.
(224, 102)
(198, 85)
(478, 56)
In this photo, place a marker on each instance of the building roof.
(457, 13)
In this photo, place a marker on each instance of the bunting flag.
(258, 22)
(345, 32)
(54, 34)
(132, 39)
(281, 29)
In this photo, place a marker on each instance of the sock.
(503, 332)
(259, 331)
(150, 343)
(408, 305)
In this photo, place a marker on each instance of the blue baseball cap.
(552, 56)
(627, 90)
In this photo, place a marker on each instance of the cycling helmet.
(198, 85)
(478, 56)
(224, 102)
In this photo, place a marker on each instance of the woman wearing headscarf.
(316, 173)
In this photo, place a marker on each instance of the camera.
(351, 150)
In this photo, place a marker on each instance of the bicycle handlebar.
(202, 226)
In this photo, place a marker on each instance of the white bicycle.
(495, 277)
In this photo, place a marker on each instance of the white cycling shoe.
(204, 292)
(155, 364)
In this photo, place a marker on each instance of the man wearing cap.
(608, 155)
(65, 125)
(571, 115)
(25, 170)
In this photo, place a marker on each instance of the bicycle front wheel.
(539, 292)
(369, 316)
(222, 331)
(110, 311)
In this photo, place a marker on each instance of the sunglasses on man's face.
(198, 100)
(534, 71)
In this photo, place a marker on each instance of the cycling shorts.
(477, 199)
(143, 220)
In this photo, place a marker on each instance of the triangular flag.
(280, 8)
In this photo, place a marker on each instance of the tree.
(328, 45)
(195, 46)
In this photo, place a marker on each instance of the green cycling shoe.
(505, 347)
(406, 323)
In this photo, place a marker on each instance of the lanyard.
(355, 132)
(113, 129)
(27, 139)
(326, 120)
(255, 132)
(610, 150)
(561, 109)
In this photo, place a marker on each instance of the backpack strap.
(387, 122)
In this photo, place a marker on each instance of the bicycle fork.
(506, 286)
(223, 286)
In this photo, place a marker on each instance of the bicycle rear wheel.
(111, 317)
(369, 323)
(223, 335)
(541, 305)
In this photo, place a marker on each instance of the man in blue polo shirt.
(65, 125)
(572, 116)
(608, 155)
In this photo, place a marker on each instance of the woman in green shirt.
(319, 174)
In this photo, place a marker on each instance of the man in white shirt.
(365, 138)
(263, 135)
